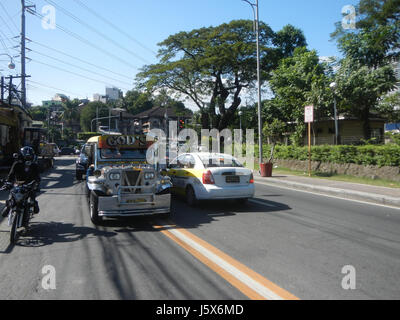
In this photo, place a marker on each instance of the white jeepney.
(120, 182)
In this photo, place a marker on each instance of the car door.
(174, 172)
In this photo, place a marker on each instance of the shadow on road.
(44, 234)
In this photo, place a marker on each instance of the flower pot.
(266, 169)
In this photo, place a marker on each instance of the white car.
(210, 176)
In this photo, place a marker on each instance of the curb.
(341, 193)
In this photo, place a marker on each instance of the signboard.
(123, 142)
(309, 114)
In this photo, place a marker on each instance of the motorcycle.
(20, 206)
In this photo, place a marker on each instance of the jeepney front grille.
(130, 178)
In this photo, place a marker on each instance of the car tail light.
(251, 178)
(208, 178)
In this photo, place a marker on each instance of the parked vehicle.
(120, 182)
(21, 206)
(67, 152)
(81, 164)
(210, 176)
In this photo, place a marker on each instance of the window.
(219, 160)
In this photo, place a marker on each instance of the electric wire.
(83, 40)
(79, 2)
(68, 13)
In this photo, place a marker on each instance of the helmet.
(27, 154)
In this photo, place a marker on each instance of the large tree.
(136, 102)
(212, 66)
(89, 112)
(298, 81)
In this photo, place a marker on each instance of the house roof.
(159, 112)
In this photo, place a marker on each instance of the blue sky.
(148, 23)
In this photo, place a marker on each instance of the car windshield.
(217, 161)
(123, 154)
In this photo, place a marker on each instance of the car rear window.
(219, 161)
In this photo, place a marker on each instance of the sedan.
(210, 176)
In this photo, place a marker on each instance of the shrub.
(385, 155)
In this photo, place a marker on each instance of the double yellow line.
(250, 283)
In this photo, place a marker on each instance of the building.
(113, 94)
(159, 117)
(100, 98)
(350, 131)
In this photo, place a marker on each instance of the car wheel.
(191, 199)
(94, 209)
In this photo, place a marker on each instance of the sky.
(105, 43)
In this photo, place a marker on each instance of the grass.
(334, 177)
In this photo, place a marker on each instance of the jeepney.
(120, 182)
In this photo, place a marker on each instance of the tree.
(136, 102)
(288, 39)
(71, 111)
(39, 113)
(376, 39)
(211, 66)
(274, 132)
(89, 113)
(298, 81)
(361, 89)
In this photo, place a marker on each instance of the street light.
(255, 8)
(11, 64)
(333, 87)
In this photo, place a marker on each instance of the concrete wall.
(374, 172)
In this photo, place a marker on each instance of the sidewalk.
(355, 191)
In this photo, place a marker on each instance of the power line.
(54, 88)
(9, 17)
(74, 73)
(81, 60)
(114, 26)
(76, 36)
(68, 13)
(81, 68)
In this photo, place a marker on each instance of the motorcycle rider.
(25, 169)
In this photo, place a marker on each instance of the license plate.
(136, 201)
(232, 179)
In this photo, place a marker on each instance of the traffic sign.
(309, 114)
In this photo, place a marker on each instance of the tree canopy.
(212, 66)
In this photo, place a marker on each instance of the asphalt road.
(285, 243)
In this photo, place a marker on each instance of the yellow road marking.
(250, 283)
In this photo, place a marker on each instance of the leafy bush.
(386, 155)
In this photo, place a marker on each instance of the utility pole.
(23, 52)
(255, 8)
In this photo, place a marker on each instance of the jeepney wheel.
(191, 199)
(94, 209)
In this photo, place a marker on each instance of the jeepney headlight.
(115, 176)
(149, 175)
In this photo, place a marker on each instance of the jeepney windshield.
(124, 154)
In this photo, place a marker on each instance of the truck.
(121, 182)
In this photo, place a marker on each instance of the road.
(283, 244)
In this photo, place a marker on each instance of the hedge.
(385, 155)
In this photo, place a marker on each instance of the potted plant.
(273, 132)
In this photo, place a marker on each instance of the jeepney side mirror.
(15, 156)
